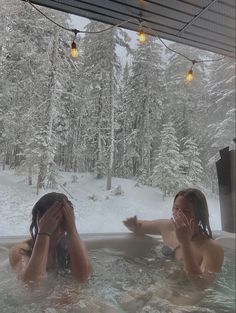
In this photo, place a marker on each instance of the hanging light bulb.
(142, 37)
(189, 76)
(74, 51)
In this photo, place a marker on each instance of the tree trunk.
(111, 154)
(4, 161)
(30, 176)
(109, 179)
(41, 177)
(50, 115)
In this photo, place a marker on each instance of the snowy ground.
(96, 209)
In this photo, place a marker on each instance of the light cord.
(76, 31)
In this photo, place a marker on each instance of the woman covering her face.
(54, 244)
(187, 236)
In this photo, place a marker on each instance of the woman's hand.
(69, 218)
(132, 224)
(184, 229)
(49, 222)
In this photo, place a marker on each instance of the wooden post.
(226, 181)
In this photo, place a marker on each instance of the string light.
(73, 50)
(189, 77)
(142, 39)
(142, 36)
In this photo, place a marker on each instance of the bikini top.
(169, 252)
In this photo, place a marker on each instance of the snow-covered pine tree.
(120, 166)
(222, 103)
(93, 78)
(193, 169)
(99, 169)
(225, 130)
(68, 120)
(30, 68)
(145, 107)
(101, 67)
(184, 99)
(167, 173)
(220, 114)
(16, 75)
(48, 110)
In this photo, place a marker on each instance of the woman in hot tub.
(187, 236)
(55, 243)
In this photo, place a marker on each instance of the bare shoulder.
(24, 245)
(18, 251)
(213, 254)
(212, 245)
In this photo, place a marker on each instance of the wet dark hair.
(40, 207)
(200, 207)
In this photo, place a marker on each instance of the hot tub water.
(120, 283)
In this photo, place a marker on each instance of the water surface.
(120, 283)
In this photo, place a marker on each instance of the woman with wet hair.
(54, 245)
(186, 236)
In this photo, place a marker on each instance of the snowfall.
(97, 210)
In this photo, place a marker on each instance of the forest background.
(132, 117)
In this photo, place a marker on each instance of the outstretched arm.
(79, 262)
(154, 227)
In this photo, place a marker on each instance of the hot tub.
(130, 275)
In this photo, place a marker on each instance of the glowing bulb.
(142, 37)
(74, 51)
(189, 76)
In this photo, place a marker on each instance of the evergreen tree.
(121, 168)
(222, 103)
(100, 89)
(99, 169)
(185, 100)
(35, 96)
(220, 114)
(193, 169)
(88, 115)
(144, 109)
(167, 173)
